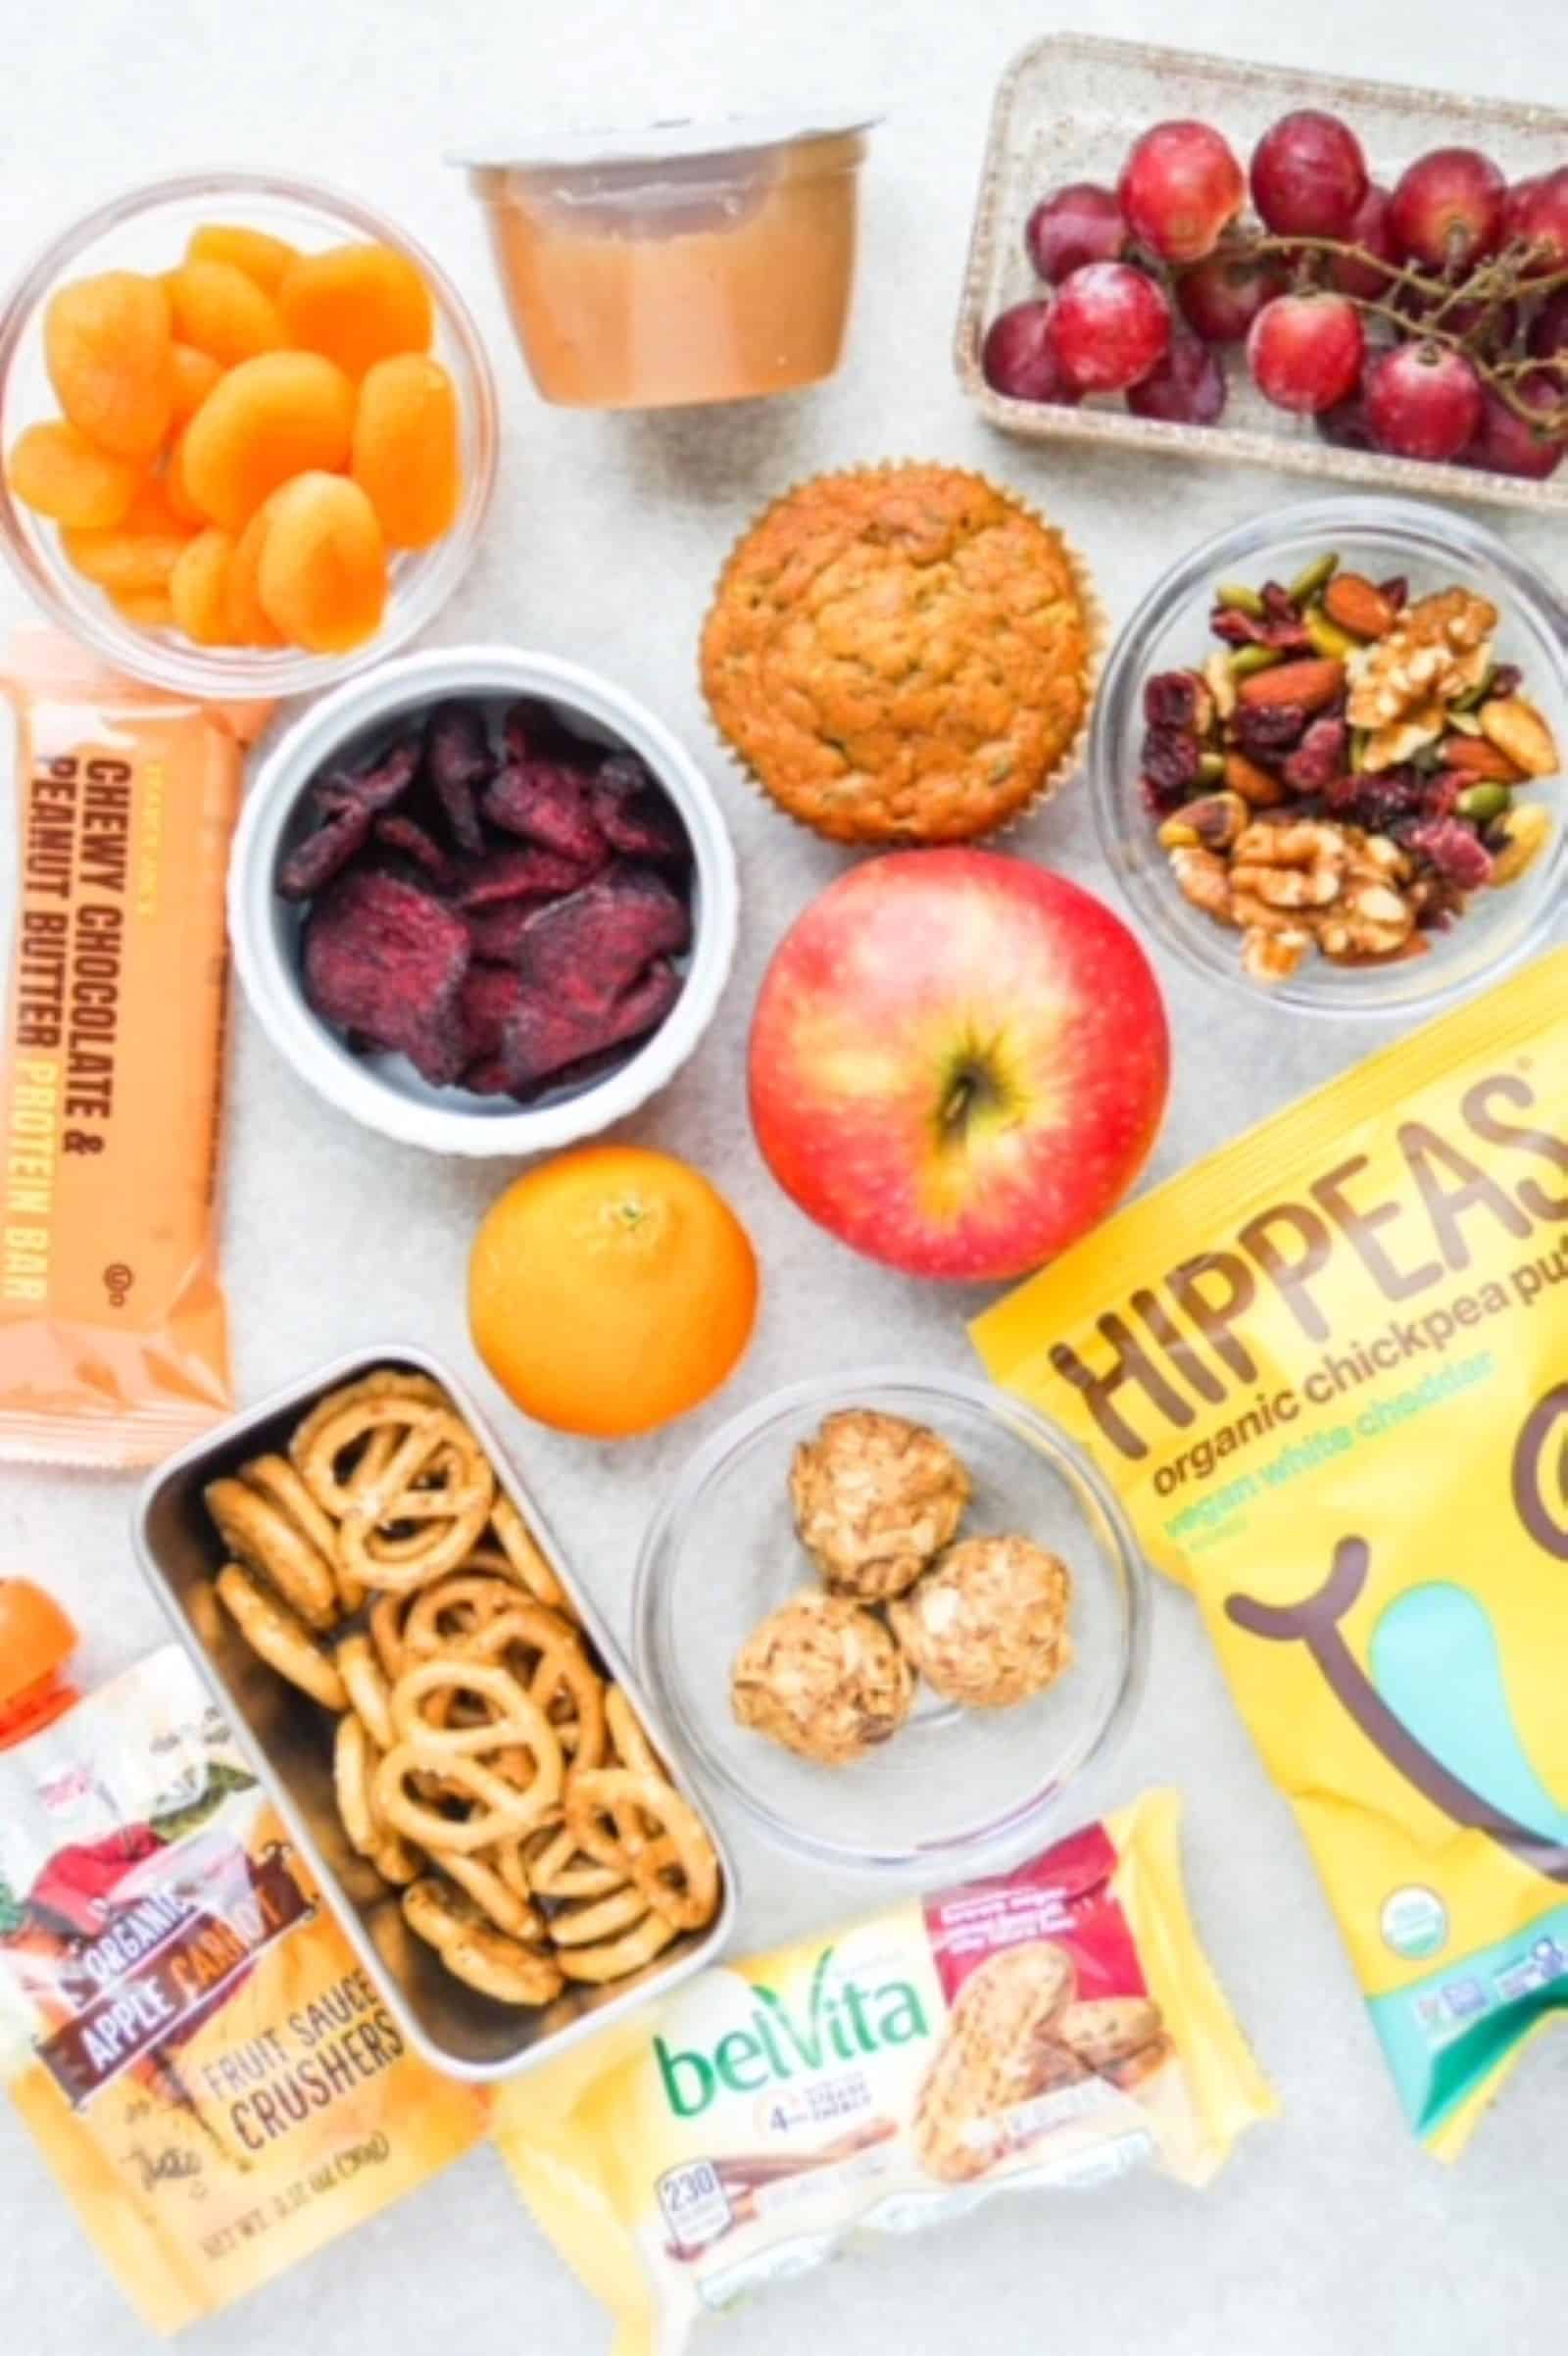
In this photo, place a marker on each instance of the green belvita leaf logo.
(1540, 1473)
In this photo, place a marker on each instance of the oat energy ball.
(988, 1627)
(876, 1498)
(901, 655)
(823, 1678)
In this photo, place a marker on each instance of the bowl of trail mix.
(1327, 759)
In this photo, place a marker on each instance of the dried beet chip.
(406, 835)
(460, 763)
(497, 932)
(549, 804)
(586, 950)
(377, 785)
(384, 956)
(311, 865)
(532, 731)
(489, 996)
(636, 816)
(545, 1037)
(518, 871)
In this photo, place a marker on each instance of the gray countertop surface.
(1331, 2230)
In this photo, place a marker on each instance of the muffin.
(901, 654)
(988, 1627)
(876, 1498)
(824, 1678)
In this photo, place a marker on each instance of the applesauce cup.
(681, 263)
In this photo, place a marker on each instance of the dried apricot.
(220, 311)
(358, 304)
(323, 577)
(148, 608)
(135, 556)
(245, 623)
(279, 414)
(55, 471)
(197, 586)
(177, 491)
(107, 341)
(195, 375)
(405, 447)
(262, 257)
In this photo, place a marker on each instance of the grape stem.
(1490, 286)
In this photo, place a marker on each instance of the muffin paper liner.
(1097, 628)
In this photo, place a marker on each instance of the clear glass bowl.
(147, 231)
(956, 1789)
(1436, 548)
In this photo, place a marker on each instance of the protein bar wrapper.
(1056, 2025)
(113, 1335)
(1328, 1371)
(183, 2025)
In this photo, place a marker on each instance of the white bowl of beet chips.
(482, 900)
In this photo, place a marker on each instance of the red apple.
(959, 1062)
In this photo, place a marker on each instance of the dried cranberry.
(1439, 792)
(1505, 681)
(1288, 633)
(1378, 804)
(1396, 589)
(1265, 728)
(1170, 700)
(1319, 759)
(1173, 760)
(1455, 850)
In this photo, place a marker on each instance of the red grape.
(1019, 360)
(1347, 424)
(1222, 295)
(1078, 224)
(1423, 401)
(1369, 228)
(1308, 176)
(1179, 187)
(1305, 351)
(1518, 197)
(1186, 388)
(1448, 209)
(1506, 444)
(1110, 325)
(1548, 330)
(1544, 219)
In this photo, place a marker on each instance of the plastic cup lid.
(678, 139)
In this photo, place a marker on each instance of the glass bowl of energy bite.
(1327, 759)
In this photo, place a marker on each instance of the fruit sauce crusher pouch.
(1328, 1371)
(184, 2029)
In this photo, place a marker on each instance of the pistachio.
(1211, 768)
(1327, 636)
(1483, 803)
(1237, 598)
(1253, 659)
(1306, 585)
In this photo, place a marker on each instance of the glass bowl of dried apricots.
(249, 433)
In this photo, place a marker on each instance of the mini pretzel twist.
(640, 1824)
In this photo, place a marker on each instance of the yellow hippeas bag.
(1327, 1369)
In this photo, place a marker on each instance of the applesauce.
(679, 264)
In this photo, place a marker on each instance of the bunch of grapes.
(1429, 321)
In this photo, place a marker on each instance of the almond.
(1312, 684)
(1255, 785)
(1478, 756)
(1518, 731)
(1359, 605)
